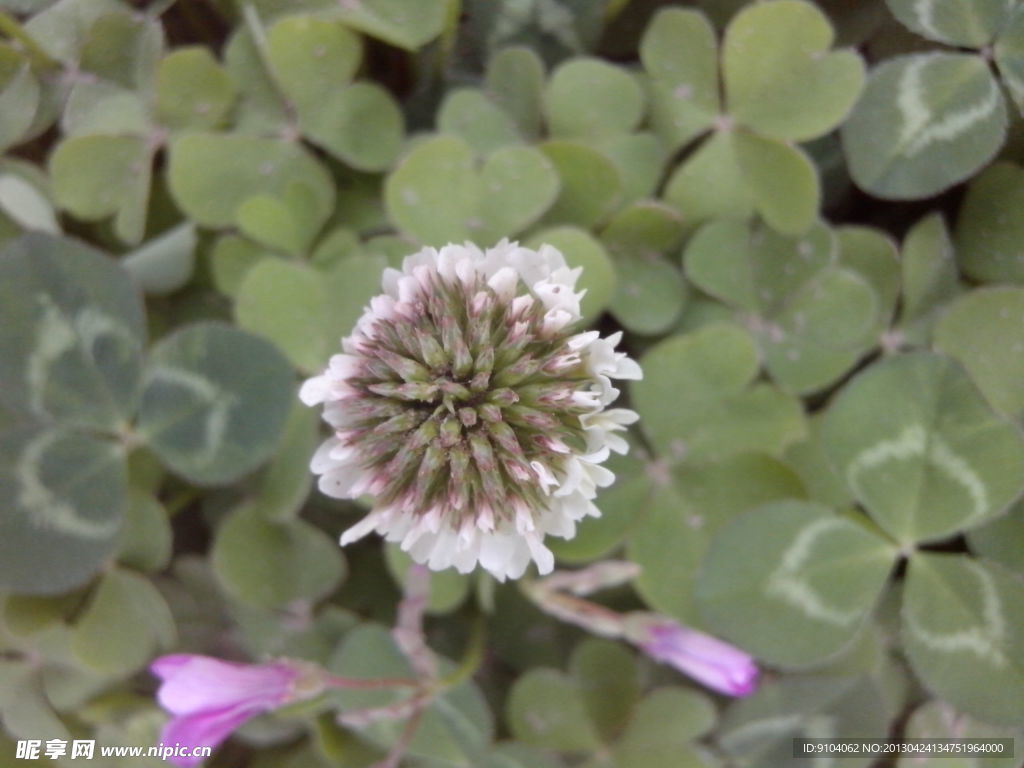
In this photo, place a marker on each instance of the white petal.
(341, 481)
(314, 390)
(360, 529)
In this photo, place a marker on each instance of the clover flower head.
(209, 698)
(467, 406)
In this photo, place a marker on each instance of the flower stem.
(336, 681)
(10, 27)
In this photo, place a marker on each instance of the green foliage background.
(806, 217)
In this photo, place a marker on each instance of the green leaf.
(987, 238)
(710, 184)
(936, 720)
(231, 259)
(398, 22)
(515, 81)
(470, 114)
(581, 249)
(545, 708)
(1001, 540)
(272, 564)
(926, 122)
(99, 176)
(758, 732)
(682, 510)
(270, 221)
(211, 175)
(589, 98)
(782, 179)
(66, 494)
(698, 398)
(214, 401)
(963, 633)
(124, 625)
(650, 295)
(145, 540)
(122, 47)
(929, 271)
(680, 53)
(780, 77)
(813, 317)
(192, 90)
(921, 449)
(663, 729)
(437, 195)
(984, 330)
(284, 484)
(23, 202)
(590, 186)
(165, 263)
(609, 684)
(639, 159)
(792, 582)
(965, 23)
(19, 100)
(1009, 55)
(70, 345)
(311, 58)
(98, 107)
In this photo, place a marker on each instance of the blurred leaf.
(640, 160)
(663, 728)
(448, 588)
(936, 720)
(782, 179)
(66, 494)
(792, 582)
(192, 90)
(963, 629)
(925, 122)
(988, 235)
(145, 541)
(231, 258)
(709, 183)
(99, 176)
(214, 402)
(272, 564)
(165, 263)
(124, 625)
(970, 24)
(71, 342)
(698, 398)
(515, 81)
(437, 194)
(211, 175)
(471, 115)
(984, 330)
(398, 22)
(680, 53)
(1009, 54)
(590, 188)
(545, 708)
(609, 684)
(929, 271)
(19, 100)
(26, 205)
(282, 487)
(1002, 539)
(780, 77)
(921, 449)
(589, 98)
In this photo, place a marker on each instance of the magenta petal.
(708, 660)
(196, 684)
(204, 729)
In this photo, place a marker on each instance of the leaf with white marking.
(65, 495)
(925, 122)
(967, 23)
(70, 343)
(922, 450)
(938, 720)
(792, 582)
(1009, 53)
(214, 401)
(963, 628)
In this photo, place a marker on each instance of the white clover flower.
(469, 409)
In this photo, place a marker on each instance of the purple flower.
(706, 659)
(210, 698)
